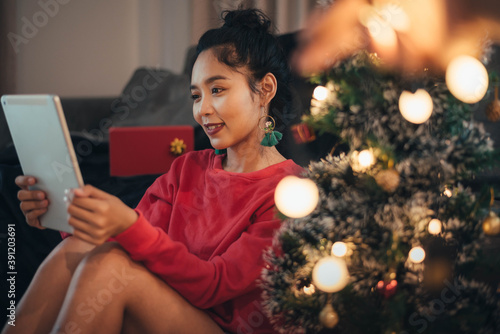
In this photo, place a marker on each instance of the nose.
(205, 106)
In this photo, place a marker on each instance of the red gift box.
(147, 150)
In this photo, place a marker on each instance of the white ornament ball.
(416, 108)
(467, 79)
(296, 197)
(330, 274)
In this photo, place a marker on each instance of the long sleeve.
(205, 283)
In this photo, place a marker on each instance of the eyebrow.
(210, 80)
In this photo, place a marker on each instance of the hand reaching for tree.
(437, 31)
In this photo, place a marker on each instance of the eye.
(195, 96)
(216, 90)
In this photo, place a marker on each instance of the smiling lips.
(213, 128)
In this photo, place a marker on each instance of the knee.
(66, 256)
(109, 264)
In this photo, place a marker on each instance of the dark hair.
(245, 40)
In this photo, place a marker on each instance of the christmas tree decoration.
(302, 133)
(467, 79)
(296, 197)
(417, 254)
(402, 269)
(328, 317)
(387, 289)
(416, 108)
(309, 290)
(339, 249)
(493, 108)
(320, 93)
(330, 274)
(491, 225)
(434, 226)
(362, 161)
(366, 159)
(388, 179)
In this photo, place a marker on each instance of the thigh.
(149, 304)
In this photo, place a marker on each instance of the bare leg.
(110, 293)
(38, 309)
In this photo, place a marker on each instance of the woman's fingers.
(81, 213)
(24, 181)
(31, 195)
(27, 206)
(32, 218)
(86, 232)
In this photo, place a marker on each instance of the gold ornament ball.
(328, 317)
(388, 179)
(491, 225)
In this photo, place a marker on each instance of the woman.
(187, 259)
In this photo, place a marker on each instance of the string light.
(309, 290)
(434, 226)
(330, 274)
(296, 197)
(467, 79)
(416, 108)
(339, 249)
(320, 93)
(417, 254)
(366, 159)
(447, 192)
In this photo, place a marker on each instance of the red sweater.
(203, 230)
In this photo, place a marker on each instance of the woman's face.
(224, 105)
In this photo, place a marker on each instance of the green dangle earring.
(271, 138)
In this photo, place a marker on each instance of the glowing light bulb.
(416, 108)
(434, 226)
(366, 159)
(320, 93)
(447, 192)
(467, 79)
(339, 249)
(309, 290)
(417, 254)
(330, 274)
(296, 197)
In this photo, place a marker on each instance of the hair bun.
(247, 18)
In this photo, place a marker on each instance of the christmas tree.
(395, 242)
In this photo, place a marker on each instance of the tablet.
(41, 138)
